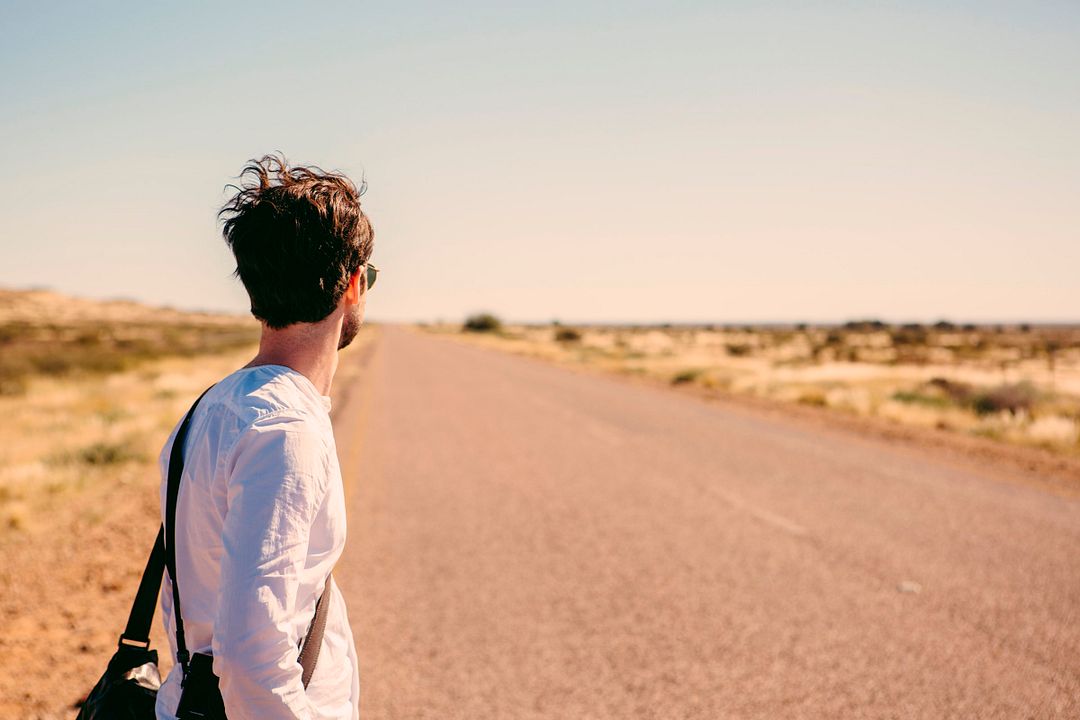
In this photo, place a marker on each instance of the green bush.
(482, 322)
(685, 376)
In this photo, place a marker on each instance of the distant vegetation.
(61, 349)
(43, 333)
(685, 376)
(482, 323)
(567, 335)
(1019, 383)
(1013, 398)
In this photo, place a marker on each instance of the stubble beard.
(350, 325)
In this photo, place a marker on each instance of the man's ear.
(352, 292)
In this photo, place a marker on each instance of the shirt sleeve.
(277, 479)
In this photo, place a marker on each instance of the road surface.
(526, 541)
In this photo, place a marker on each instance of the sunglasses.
(372, 273)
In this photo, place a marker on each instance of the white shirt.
(260, 522)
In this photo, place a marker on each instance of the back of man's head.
(298, 235)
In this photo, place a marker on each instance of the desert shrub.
(1014, 397)
(113, 413)
(958, 392)
(51, 349)
(482, 322)
(780, 337)
(52, 364)
(909, 335)
(991, 433)
(90, 336)
(567, 335)
(102, 453)
(98, 453)
(917, 398)
(685, 376)
(813, 398)
(98, 360)
(864, 325)
(16, 331)
(12, 385)
(13, 371)
(738, 349)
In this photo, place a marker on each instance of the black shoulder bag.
(128, 689)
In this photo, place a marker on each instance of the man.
(260, 518)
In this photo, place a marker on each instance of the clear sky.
(584, 161)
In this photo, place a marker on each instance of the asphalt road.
(530, 542)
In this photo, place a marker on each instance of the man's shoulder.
(258, 395)
(264, 400)
(269, 417)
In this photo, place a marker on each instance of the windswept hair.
(298, 234)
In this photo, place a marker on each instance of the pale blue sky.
(584, 161)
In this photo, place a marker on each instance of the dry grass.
(1019, 385)
(43, 333)
(89, 389)
(64, 435)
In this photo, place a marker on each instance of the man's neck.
(308, 348)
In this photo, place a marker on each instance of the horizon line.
(891, 320)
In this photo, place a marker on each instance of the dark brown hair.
(298, 234)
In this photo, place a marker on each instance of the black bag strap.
(176, 468)
(142, 610)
